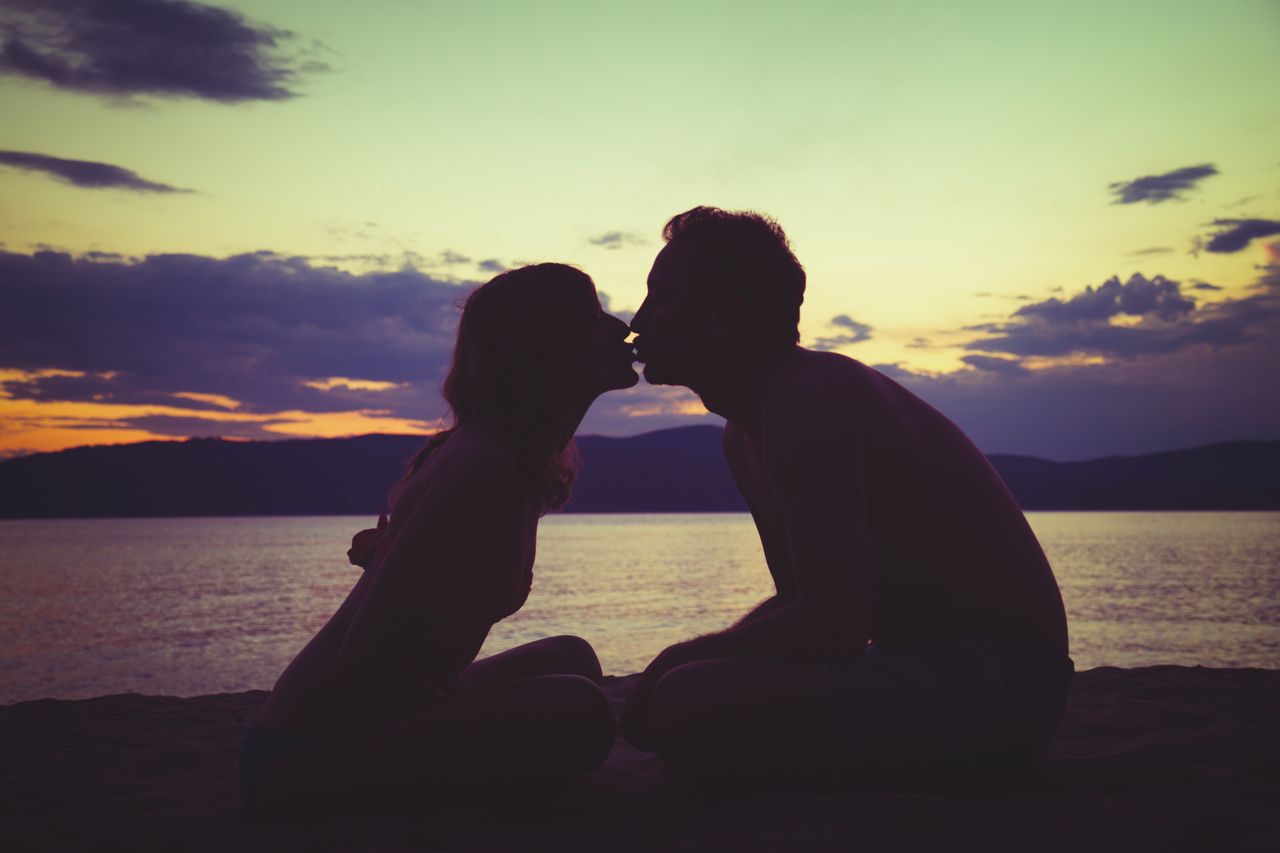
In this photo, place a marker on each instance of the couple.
(916, 635)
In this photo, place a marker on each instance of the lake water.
(189, 606)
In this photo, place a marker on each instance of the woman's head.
(534, 349)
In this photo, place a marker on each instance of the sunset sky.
(1057, 222)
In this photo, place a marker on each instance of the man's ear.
(729, 319)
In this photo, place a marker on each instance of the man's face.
(673, 329)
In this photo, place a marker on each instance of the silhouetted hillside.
(676, 470)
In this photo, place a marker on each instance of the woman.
(388, 696)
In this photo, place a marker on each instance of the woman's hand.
(364, 543)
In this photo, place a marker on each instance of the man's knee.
(584, 720)
(685, 704)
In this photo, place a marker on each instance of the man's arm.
(812, 465)
(818, 482)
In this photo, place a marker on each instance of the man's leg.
(746, 720)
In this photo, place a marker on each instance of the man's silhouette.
(917, 632)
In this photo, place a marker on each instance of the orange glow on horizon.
(31, 426)
(352, 384)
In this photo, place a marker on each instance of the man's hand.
(365, 542)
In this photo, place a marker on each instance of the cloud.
(622, 314)
(993, 364)
(162, 48)
(1235, 234)
(1154, 250)
(854, 333)
(451, 258)
(1154, 189)
(84, 173)
(1137, 297)
(1204, 285)
(1179, 396)
(492, 265)
(1140, 317)
(255, 329)
(616, 240)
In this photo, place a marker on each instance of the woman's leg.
(563, 655)
(544, 729)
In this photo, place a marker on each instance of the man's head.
(725, 286)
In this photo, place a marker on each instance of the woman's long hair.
(505, 366)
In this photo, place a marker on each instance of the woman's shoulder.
(469, 462)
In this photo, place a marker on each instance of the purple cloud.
(1235, 234)
(854, 332)
(84, 173)
(165, 48)
(1154, 189)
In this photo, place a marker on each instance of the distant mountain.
(674, 470)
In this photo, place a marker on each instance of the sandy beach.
(1169, 758)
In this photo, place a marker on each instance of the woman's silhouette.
(388, 698)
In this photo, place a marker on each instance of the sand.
(1159, 758)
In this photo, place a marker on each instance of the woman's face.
(597, 357)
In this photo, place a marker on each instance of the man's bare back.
(948, 552)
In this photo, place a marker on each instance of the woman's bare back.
(433, 528)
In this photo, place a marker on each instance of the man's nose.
(639, 319)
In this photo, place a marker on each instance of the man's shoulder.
(820, 391)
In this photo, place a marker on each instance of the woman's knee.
(575, 656)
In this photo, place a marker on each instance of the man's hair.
(747, 254)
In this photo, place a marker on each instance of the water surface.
(189, 606)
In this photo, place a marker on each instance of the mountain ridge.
(672, 470)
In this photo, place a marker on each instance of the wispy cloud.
(163, 48)
(854, 333)
(84, 173)
(1154, 189)
(616, 240)
(1236, 234)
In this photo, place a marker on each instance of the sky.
(1059, 223)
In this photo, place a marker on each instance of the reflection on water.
(189, 606)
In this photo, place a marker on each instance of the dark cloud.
(255, 328)
(492, 265)
(1181, 396)
(854, 333)
(1160, 320)
(993, 364)
(195, 427)
(1137, 297)
(615, 240)
(1235, 234)
(1154, 250)
(1154, 189)
(164, 48)
(84, 173)
(1204, 285)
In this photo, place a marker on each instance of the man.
(917, 633)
